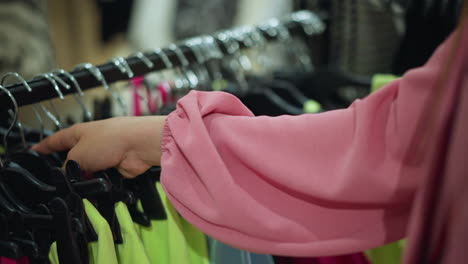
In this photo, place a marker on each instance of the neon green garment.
(219, 84)
(312, 106)
(155, 240)
(131, 250)
(53, 255)
(379, 80)
(101, 251)
(178, 249)
(197, 243)
(390, 253)
(186, 244)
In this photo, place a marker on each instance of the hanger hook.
(240, 62)
(26, 85)
(188, 74)
(162, 54)
(71, 78)
(258, 37)
(123, 66)
(194, 45)
(197, 46)
(243, 34)
(180, 55)
(100, 77)
(48, 77)
(144, 59)
(75, 96)
(95, 72)
(15, 117)
(210, 46)
(229, 44)
(310, 22)
(54, 117)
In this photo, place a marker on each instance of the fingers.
(65, 139)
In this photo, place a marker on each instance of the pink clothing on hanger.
(136, 106)
(355, 258)
(22, 260)
(323, 184)
(163, 88)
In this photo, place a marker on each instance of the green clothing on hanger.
(101, 251)
(197, 243)
(312, 107)
(132, 249)
(178, 249)
(387, 254)
(155, 240)
(186, 244)
(379, 80)
(53, 255)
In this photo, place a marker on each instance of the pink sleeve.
(309, 185)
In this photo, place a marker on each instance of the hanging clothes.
(154, 238)
(132, 249)
(319, 202)
(186, 244)
(356, 258)
(103, 250)
(22, 260)
(100, 251)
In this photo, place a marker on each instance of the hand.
(130, 144)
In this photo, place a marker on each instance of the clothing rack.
(298, 24)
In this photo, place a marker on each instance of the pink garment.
(22, 260)
(316, 184)
(136, 107)
(137, 83)
(163, 88)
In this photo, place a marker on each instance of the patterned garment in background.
(198, 17)
(24, 37)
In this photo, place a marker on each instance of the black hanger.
(144, 188)
(90, 189)
(43, 237)
(121, 193)
(33, 191)
(106, 203)
(284, 89)
(59, 223)
(27, 188)
(66, 229)
(27, 244)
(264, 101)
(8, 248)
(324, 84)
(32, 162)
(67, 248)
(65, 189)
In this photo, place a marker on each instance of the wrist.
(148, 139)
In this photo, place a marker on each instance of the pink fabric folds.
(312, 185)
